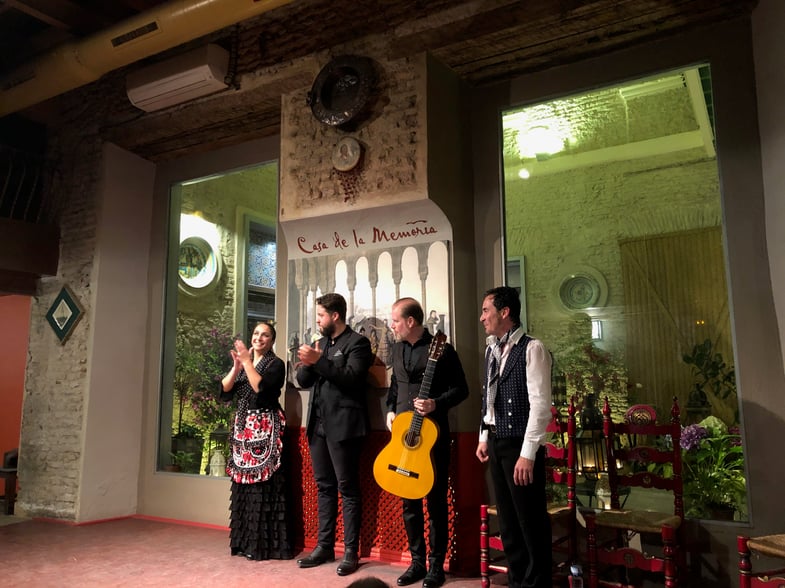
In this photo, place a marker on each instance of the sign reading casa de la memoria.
(355, 232)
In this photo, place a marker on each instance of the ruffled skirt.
(259, 526)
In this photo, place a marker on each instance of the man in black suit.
(448, 388)
(516, 409)
(337, 369)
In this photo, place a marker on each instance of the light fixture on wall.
(539, 141)
(596, 330)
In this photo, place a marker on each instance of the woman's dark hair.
(266, 324)
(369, 582)
(333, 302)
(506, 296)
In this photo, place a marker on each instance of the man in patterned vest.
(516, 409)
(448, 388)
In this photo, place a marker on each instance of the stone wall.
(393, 166)
(57, 375)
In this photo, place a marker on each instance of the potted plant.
(188, 439)
(713, 470)
(715, 386)
(184, 461)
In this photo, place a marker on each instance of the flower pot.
(721, 512)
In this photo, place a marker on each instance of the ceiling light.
(524, 174)
(539, 140)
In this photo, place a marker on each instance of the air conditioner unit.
(179, 79)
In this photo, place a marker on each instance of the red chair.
(644, 448)
(8, 474)
(767, 545)
(560, 470)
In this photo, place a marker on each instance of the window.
(221, 282)
(613, 198)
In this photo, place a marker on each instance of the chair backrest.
(560, 458)
(649, 452)
(11, 458)
(560, 463)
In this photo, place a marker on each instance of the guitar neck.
(425, 391)
(427, 378)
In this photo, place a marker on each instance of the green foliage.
(184, 460)
(716, 381)
(188, 431)
(203, 358)
(591, 370)
(713, 471)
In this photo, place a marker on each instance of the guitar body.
(405, 466)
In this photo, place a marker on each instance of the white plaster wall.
(768, 27)
(116, 350)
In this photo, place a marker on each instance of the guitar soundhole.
(411, 441)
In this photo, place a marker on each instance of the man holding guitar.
(428, 379)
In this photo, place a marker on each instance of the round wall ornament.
(346, 154)
(342, 89)
(198, 266)
(582, 288)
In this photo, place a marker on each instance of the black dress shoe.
(317, 557)
(349, 564)
(414, 573)
(434, 578)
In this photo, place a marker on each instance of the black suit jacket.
(339, 382)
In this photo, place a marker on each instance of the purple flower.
(691, 437)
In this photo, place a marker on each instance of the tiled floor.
(143, 553)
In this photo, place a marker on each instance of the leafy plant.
(591, 370)
(716, 381)
(203, 358)
(713, 470)
(188, 431)
(185, 460)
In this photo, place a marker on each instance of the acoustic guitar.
(405, 466)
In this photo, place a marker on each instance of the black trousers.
(414, 519)
(524, 523)
(336, 468)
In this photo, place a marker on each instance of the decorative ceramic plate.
(342, 89)
(199, 265)
(346, 154)
(582, 289)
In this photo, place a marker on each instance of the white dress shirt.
(538, 382)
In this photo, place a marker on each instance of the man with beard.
(448, 388)
(336, 367)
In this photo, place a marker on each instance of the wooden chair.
(8, 473)
(560, 470)
(634, 443)
(767, 545)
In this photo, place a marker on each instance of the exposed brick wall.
(394, 141)
(56, 375)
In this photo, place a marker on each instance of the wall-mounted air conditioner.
(179, 79)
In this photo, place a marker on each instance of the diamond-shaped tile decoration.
(64, 313)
